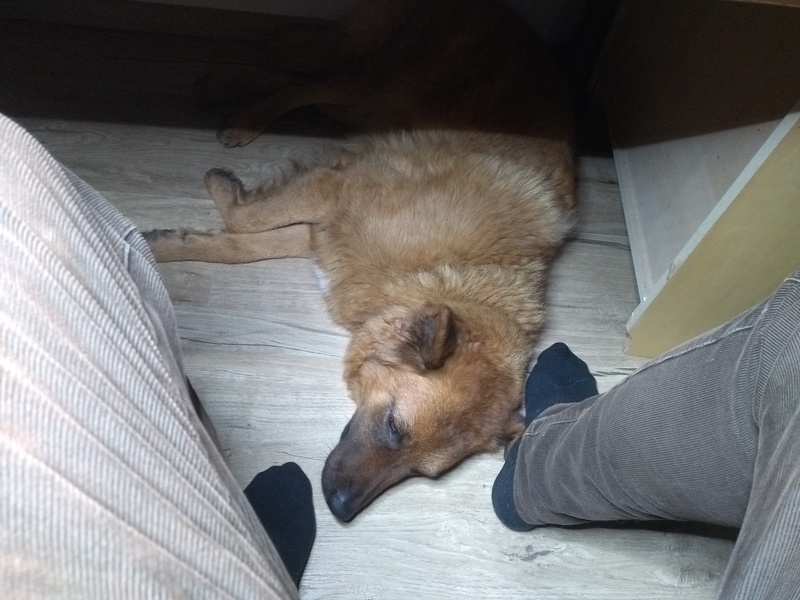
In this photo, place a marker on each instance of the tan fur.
(436, 243)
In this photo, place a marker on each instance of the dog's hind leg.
(168, 245)
(245, 126)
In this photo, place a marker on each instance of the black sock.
(281, 497)
(557, 377)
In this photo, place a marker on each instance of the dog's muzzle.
(358, 470)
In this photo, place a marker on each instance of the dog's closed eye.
(392, 433)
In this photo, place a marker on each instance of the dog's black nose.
(341, 505)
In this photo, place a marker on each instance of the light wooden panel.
(693, 90)
(737, 257)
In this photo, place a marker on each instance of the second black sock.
(557, 377)
(281, 497)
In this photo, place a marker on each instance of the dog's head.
(427, 396)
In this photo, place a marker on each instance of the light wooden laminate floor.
(266, 360)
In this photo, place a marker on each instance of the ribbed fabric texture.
(709, 432)
(109, 485)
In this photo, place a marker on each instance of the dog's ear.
(424, 339)
(433, 337)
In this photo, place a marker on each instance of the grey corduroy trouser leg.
(708, 432)
(109, 485)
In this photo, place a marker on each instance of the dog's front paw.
(163, 243)
(232, 137)
(169, 245)
(246, 125)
